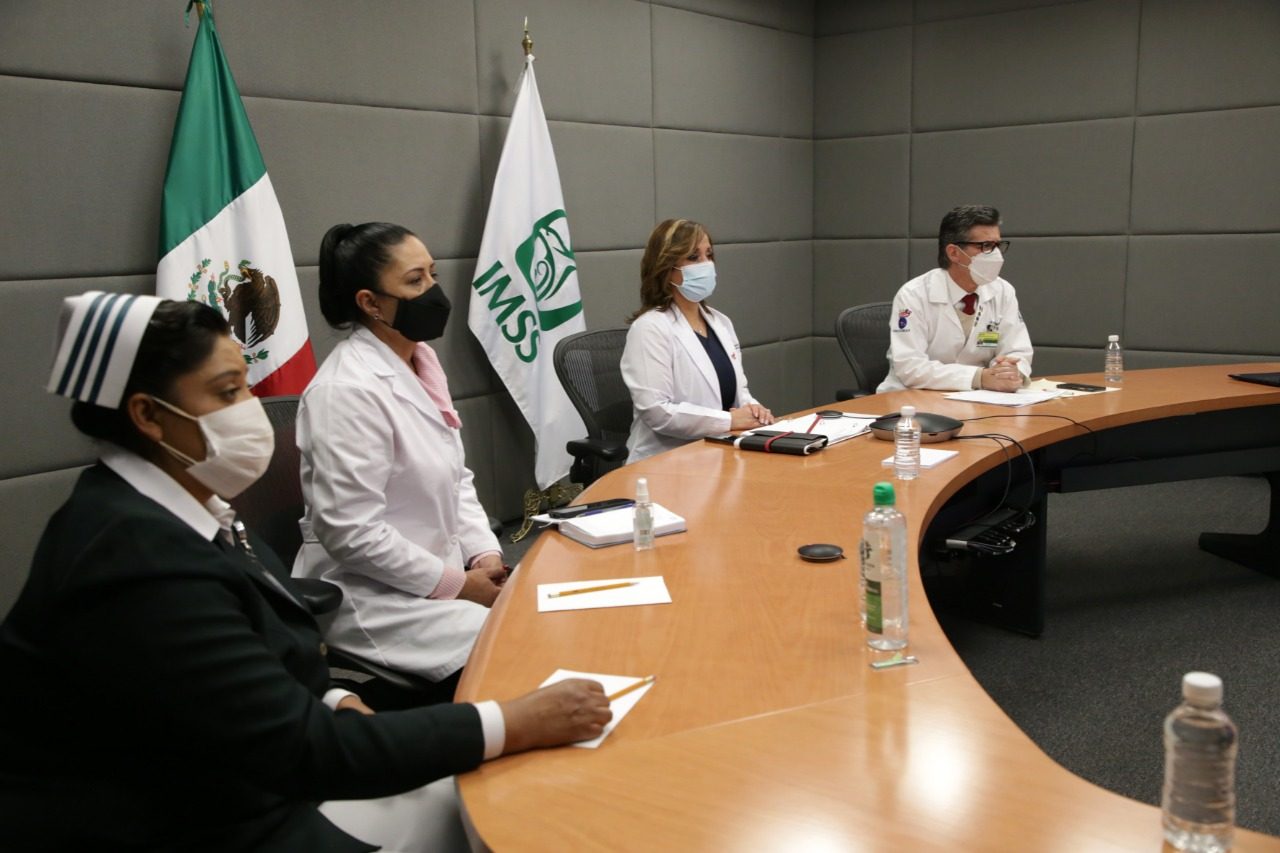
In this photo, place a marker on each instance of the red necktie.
(969, 300)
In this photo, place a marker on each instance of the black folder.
(1272, 379)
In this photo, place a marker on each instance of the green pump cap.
(882, 494)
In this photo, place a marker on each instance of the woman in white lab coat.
(392, 515)
(682, 361)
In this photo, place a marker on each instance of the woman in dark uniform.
(168, 690)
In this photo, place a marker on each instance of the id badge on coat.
(988, 339)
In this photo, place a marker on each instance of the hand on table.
(750, 416)
(1002, 375)
(564, 712)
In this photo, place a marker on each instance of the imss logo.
(540, 302)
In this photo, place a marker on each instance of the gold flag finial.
(526, 42)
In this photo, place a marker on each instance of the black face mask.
(423, 318)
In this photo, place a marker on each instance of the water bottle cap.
(1113, 338)
(882, 494)
(908, 411)
(1202, 689)
(642, 490)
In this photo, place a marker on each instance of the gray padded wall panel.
(1142, 359)
(793, 15)
(757, 285)
(1073, 61)
(477, 442)
(744, 188)
(766, 376)
(831, 371)
(80, 52)
(863, 84)
(1070, 289)
(1203, 56)
(1057, 361)
(323, 338)
(610, 286)
(922, 255)
(37, 425)
(593, 58)
(861, 187)
(853, 272)
(1070, 178)
(936, 10)
(510, 457)
(271, 48)
(84, 165)
(1207, 172)
(594, 183)
(25, 506)
(333, 163)
(1204, 293)
(797, 361)
(763, 79)
(835, 17)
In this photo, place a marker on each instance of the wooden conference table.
(767, 729)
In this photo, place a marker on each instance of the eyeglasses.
(986, 246)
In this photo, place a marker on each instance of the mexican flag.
(525, 292)
(222, 236)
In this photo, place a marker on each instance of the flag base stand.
(535, 501)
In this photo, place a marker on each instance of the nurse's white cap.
(98, 338)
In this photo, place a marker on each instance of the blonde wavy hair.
(671, 241)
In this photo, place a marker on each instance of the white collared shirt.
(216, 516)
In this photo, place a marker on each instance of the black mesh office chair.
(863, 333)
(272, 507)
(589, 367)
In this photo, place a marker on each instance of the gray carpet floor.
(1132, 604)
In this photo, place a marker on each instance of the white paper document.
(929, 457)
(1022, 397)
(835, 429)
(612, 684)
(649, 590)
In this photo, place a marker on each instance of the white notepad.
(929, 457)
(1024, 397)
(616, 526)
(648, 590)
(612, 684)
(835, 429)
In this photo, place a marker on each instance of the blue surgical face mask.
(699, 281)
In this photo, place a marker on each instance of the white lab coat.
(927, 345)
(675, 393)
(389, 503)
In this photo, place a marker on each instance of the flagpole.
(557, 494)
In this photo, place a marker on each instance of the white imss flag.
(525, 294)
(222, 236)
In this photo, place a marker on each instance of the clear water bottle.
(1113, 367)
(643, 531)
(1199, 802)
(906, 445)
(883, 583)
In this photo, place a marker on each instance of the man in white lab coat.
(958, 327)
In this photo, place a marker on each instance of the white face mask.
(984, 267)
(698, 281)
(238, 442)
